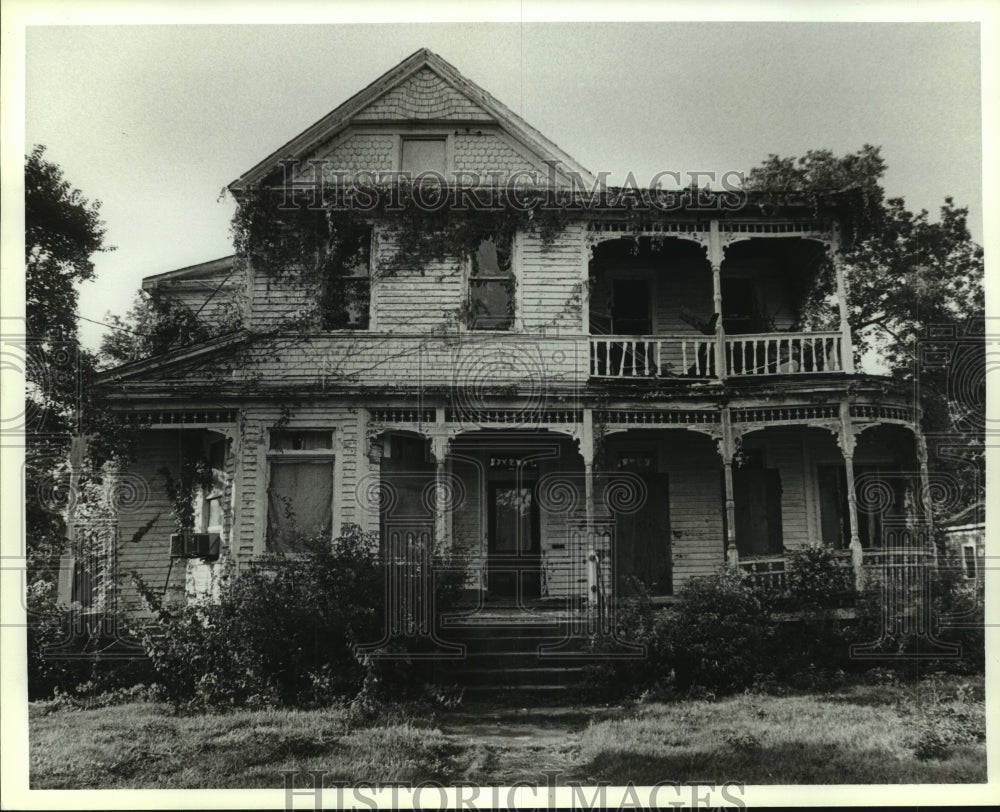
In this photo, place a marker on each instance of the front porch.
(540, 522)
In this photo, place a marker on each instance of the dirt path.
(502, 745)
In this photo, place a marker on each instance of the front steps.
(515, 656)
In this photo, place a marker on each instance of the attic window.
(419, 155)
(491, 286)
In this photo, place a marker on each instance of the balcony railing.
(652, 356)
(671, 356)
(783, 353)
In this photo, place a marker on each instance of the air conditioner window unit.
(195, 545)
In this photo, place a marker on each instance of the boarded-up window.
(491, 286)
(423, 155)
(300, 489)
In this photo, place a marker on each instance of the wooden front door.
(757, 494)
(642, 541)
(513, 558)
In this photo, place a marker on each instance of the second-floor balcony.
(660, 309)
(695, 356)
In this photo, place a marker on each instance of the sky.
(154, 121)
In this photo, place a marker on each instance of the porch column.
(925, 485)
(727, 448)
(846, 441)
(846, 343)
(587, 452)
(715, 256)
(439, 448)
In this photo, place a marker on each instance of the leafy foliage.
(285, 632)
(315, 237)
(195, 473)
(717, 632)
(915, 292)
(954, 614)
(68, 652)
(155, 324)
(905, 271)
(62, 232)
(817, 578)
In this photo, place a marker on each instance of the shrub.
(818, 579)
(285, 632)
(636, 623)
(818, 584)
(74, 655)
(716, 633)
(954, 615)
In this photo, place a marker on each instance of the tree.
(905, 272)
(63, 230)
(154, 324)
(915, 286)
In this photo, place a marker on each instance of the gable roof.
(342, 116)
(191, 272)
(192, 353)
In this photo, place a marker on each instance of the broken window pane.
(491, 259)
(346, 298)
(491, 286)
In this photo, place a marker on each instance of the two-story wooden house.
(620, 397)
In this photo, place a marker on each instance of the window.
(491, 286)
(300, 488)
(757, 495)
(347, 298)
(423, 155)
(208, 507)
(969, 561)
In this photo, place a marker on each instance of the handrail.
(694, 355)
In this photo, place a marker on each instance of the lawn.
(927, 732)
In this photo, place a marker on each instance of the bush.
(954, 615)
(286, 632)
(819, 583)
(716, 632)
(78, 656)
(818, 578)
(636, 623)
